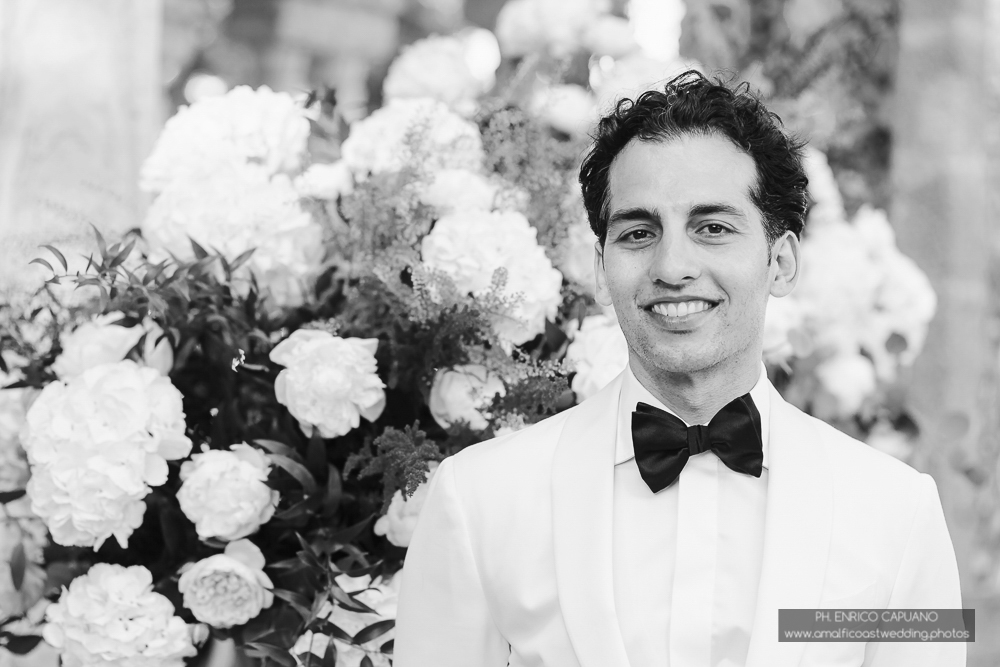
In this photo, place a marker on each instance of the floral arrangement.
(257, 395)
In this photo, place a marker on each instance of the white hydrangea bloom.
(470, 246)
(227, 589)
(610, 35)
(419, 132)
(454, 190)
(632, 75)
(225, 493)
(381, 595)
(437, 67)
(20, 526)
(110, 617)
(236, 209)
(401, 518)
(96, 445)
(576, 256)
(461, 393)
(599, 353)
(102, 341)
(329, 382)
(245, 126)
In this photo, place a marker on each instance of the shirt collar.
(633, 392)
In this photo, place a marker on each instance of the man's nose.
(675, 261)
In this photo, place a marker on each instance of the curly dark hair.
(692, 103)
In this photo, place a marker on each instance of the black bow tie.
(663, 444)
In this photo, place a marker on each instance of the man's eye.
(636, 235)
(715, 228)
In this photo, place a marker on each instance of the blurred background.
(902, 96)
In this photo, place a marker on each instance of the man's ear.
(785, 264)
(603, 294)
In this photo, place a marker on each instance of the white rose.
(102, 341)
(96, 445)
(110, 617)
(454, 190)
(599, 353)
(401, 518)
(325, 181)
(567, 107)
(849, 379)
(236, 209)
(437, 67)
(412, 132)
(611, 36)
(380, 595)
(227, 589)
(225, 494)
(462, 393)
(330, 382)
(470, 246)
(20, 527)
(265, 128)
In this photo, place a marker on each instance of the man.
(616, 534)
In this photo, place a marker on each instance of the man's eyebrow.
(634, 214)
(715, 209)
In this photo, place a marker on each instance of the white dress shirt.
(691, 553)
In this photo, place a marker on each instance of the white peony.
(567, 107)
(380, 595)
(470, 246)
(438, 67)
(102, 340)
(401, 518)
(225, 493)
(110, 617)
(599, 353)
(236, 209)
(329, 382)
(227, 589)
(20, 528)
(96, 445)
(261, 127)
(412, 132)
(849, 379)
(461, 393)
(325, 181)
(557, 26)
(454, 190)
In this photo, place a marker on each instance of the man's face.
(685, 260)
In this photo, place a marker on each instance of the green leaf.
(374, 630)
(276, 447)
(42, 262)
(296, 470)
(297, 601)
(269, 651)
(8, 496)
(59, 256)
(242, 259)
(21, 644)
(199, 252)
(347, 602)
(102, 246)
(122, 255)
(18, 564)
(366, 662)
(334, 491)
(328, 628)
(330, 656)
(387, 647)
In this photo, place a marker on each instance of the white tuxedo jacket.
(510, 563)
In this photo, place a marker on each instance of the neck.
(697, 396)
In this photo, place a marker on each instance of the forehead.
(681, 172)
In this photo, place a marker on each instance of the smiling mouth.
(681, 310)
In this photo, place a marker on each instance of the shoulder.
(528, 448)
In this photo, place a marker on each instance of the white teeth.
(681, 309)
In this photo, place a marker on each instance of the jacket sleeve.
(927, 578)
(443, 619)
